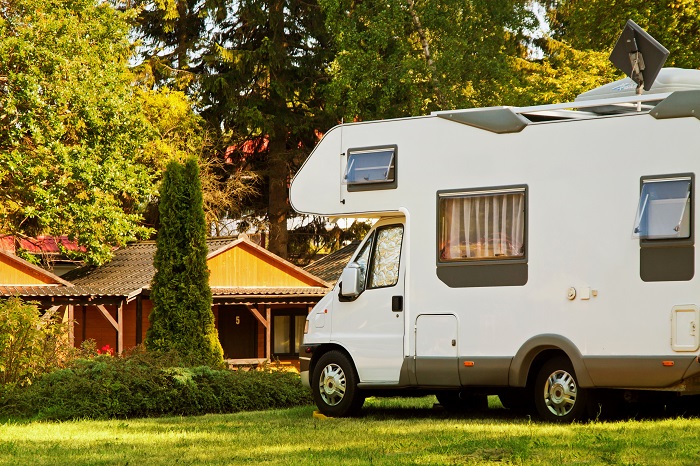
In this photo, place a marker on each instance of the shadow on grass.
(599, 411)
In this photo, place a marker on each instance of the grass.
(389, 432)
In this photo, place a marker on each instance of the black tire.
(334, 386)
(557, 395)
(461, 401)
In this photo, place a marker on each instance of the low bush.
(144, 385)
(31, 344)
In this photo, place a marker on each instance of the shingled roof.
(330, 267)
(131, 270)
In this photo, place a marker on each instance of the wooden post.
(139, 319)
(83, 331)
(268, 333)
(120, 328)
(70, 317)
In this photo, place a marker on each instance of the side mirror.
(350, 286)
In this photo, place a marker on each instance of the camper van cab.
(539, 253)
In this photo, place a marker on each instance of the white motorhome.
(537, 253)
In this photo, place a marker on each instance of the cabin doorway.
(238, 332)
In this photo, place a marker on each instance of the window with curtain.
(482, 225)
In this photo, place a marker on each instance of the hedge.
(146, 385)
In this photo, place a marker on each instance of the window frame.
(373, 253)
(374, 185)
(655, 242)
(485, 271)
(370, 242)
(668, 259)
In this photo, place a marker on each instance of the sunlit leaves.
(70, 126)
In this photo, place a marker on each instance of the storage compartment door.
(684, 328)
(436, 351)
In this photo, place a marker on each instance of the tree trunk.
(278, 203)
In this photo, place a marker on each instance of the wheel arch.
(538, 349)
(326, 348)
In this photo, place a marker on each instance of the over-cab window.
(481, 225)
(371, 168)
(664, 209)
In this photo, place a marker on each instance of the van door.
(371, 326)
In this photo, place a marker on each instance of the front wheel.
(558, 398)
(334, 386)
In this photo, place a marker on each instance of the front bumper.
(305, 355)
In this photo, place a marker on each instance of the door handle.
(397, 303)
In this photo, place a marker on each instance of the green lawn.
(390, 431)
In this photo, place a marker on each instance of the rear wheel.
(558, 398)
(334, 386)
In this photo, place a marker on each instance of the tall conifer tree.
(182, 318)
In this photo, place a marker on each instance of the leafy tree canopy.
(408, 58)
(71, 128)
(596, 25)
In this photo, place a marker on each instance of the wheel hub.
(560, 393)
(332, 384)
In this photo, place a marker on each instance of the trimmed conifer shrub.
(182, 319)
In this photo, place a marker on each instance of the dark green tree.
(173, 34)
(182, 319)
(263, 88)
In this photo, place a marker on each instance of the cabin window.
(664, 209)
(482, 225)
(371, 168)
(287, 333)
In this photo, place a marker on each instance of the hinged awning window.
(664, 209)
(370, 166)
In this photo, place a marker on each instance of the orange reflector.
(468, 363)
(667, 363)
(325, 311)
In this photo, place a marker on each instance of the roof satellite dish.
(639, 55)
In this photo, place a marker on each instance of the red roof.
(39, 245)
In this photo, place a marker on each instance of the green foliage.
(395, 60)
(30, 344)
(596, 25)
(560, 76)
(182, 319)
(70, 125)
(148, 384)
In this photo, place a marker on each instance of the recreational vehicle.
(539, 253)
